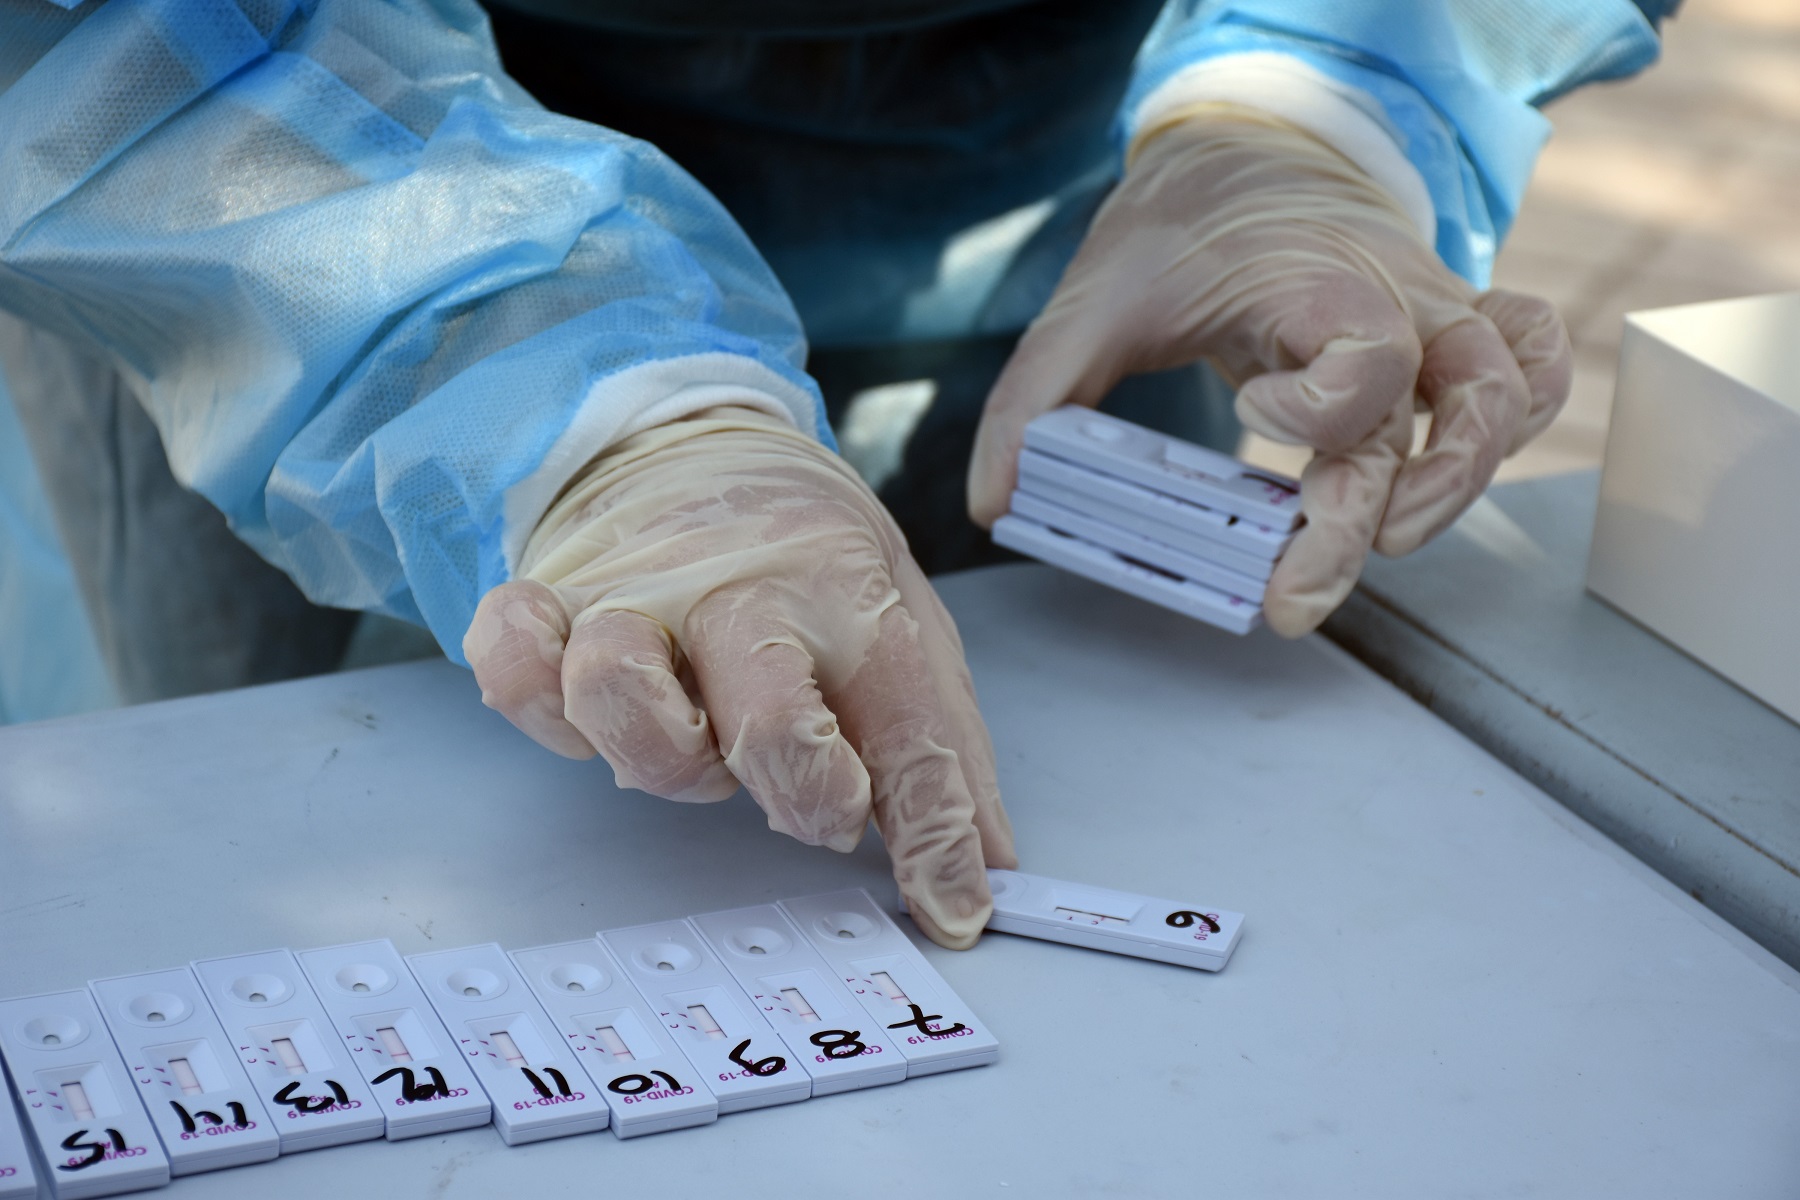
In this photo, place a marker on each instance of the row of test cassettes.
(1159, 518)
(237, 1060)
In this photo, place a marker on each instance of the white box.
(1700, 499)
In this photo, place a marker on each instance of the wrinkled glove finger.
(893, 715)
(1360, 357)
(1477, 397)
(1343, 496)
(621, 691)
(967, 732)
(777, 735)
(1540, 345)
(515, 645)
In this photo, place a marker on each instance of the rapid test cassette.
(197, 1094)
(1231, 613)
(1188, 935)
(725, 1036)
(1164, 464)
(1170, 522)
(81, 1105)
(526, 1067)
(1166, 522)
(822, 1024)
(649, 1084)
(287, 1044)
(18, 1179)
(1136, 547)
(929, 1025)
(422, 1083)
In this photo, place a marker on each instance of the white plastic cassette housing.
(745, 1064)
(538, 1089)
(1188, 935)
(933, 1029)
(648, 1081)
(1137, 547)
(1166, 464)
(186, 1071)
(800, 995)
(1229, 541)
(1103, 566)
(290, 1050)
(81, 1105)
(18, 1179)
(422, 1083)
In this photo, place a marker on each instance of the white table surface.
(1491, 626)
(1448, 986)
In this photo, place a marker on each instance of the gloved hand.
(1237, 238)
(720, 600)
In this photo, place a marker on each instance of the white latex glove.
(720, 601)
(1239, 239)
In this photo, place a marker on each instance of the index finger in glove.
(1477, 397)
(968, 733)
(924, 806)
(1361, 355)
(1343, 496)
(1540, 344)
(515, 645)
(622, 692)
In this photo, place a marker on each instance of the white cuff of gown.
(1345, 118)
(633, 400)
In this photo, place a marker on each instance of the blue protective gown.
(379, 302)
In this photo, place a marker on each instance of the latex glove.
(1237, 238)
(720, 601)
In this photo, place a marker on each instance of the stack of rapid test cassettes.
(1164, 520)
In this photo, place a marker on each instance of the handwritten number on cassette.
(1185, 918)
(311, 1104)
(538, 1085)
(921, 1021)
(413, 1090)
(761, 1067)
(240, 1118)
(96, 1150)
(838, 1043)
(632, 1085)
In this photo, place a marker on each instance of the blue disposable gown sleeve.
(380, 304)
(1458, 82)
